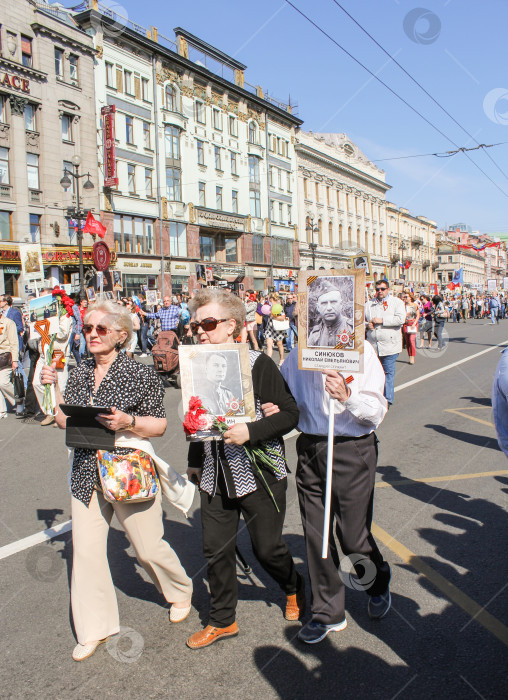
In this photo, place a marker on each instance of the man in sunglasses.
(384, 317)
(169, 315)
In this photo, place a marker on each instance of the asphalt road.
(440, 518)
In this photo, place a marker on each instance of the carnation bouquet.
(198, 418)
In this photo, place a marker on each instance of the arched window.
(340, 235)
(320, 232)
(358, 237)
(170, 98)
(252, 132)
(366, 242)
(308, 232)
(349, 236)
(330, 234)
(374, 243)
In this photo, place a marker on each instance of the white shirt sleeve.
(367, 402)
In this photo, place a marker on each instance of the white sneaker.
(3, 415)
(143, 354)
(84, 651)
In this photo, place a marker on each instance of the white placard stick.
(329, 473)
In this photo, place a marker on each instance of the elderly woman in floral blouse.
(135, 394)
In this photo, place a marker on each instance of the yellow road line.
(455, 477)
(475, 611)
(463, 415)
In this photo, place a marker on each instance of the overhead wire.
(443, 154)
(443, 109)
(396, 94)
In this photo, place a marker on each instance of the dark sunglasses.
(381, 289)
(207, 324)
(101, 330)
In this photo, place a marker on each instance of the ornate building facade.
(412, 249)
(47, 117)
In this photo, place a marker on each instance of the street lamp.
(76, 212)
(311, 228)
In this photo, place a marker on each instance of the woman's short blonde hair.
(117, 317)
(232, 305)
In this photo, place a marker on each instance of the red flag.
(407, 265)
(93, 226)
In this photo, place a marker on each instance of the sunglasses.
(381, 289)
(207, 324)
(101, 330)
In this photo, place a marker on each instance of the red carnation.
(195, 403)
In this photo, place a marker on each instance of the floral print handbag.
(127, 478)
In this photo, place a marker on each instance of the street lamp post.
(77, 213)
(311, 228)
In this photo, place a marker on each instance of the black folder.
(83, 430)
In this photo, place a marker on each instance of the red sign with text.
(108, 130)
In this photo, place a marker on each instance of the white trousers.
(93, 598)
(6, 389)
(61, 374)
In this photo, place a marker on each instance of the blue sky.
(457, 50)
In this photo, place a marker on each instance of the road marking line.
(464, 415)
(447, 367)
(39, 537)
(470, 607)
(455, 477)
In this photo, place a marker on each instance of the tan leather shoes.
(210, 634)
(295, 604)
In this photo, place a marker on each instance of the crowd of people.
(102, 337)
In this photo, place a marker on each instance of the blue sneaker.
(379, 605)
(315, 632)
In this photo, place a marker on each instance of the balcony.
(5, 191)
(35, 196)
(407, 259)
(417, 241)
(178, 119)
(435, 265)
(394, 258)
(425, 264)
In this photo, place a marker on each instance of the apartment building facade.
(411, 247)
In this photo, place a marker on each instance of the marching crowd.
(103, 336)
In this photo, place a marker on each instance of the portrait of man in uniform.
(215, 382)
(330, 313)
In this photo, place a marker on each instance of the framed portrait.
(117, 280)
(220, 376)
(362, 262)
(151, 297)
(31, 262)
(45, 307)
(331, 319)
(90, 294)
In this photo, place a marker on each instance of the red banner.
(108, 131)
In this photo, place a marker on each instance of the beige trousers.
(61, 375)
(6, 389)
(93, 599)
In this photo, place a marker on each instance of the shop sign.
(108, 130)
(180, 268)
(259, 272)
(52, 256)
(15, 82)
(228, 270)
(11, 270)
(138, 266)
(222, 221)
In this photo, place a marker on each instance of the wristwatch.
(132, 424)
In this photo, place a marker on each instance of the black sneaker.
(315, 632)
(379, 605)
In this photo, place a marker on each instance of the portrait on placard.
(220, 377)
(40, 309)
(362, 262)
(90, 294)
(117, 280)
(31, 262)
(331, 319)
(151, 297)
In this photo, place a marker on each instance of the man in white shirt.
(359, 409)
(384, 318)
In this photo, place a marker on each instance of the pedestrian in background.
(410, 327)
(440, 316)
(9, 351)
(251, 326)
(291, 314)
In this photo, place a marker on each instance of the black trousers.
(354, 468)
(31, 403)
(220, 516)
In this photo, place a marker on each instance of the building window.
(234, 201)
(207, 248)
(254, 170)
(218, 164)
(59, 63)
(282, 251)
(30, 120)
(233, 126)
(305, 188)
(257, 248)
(234, 163)
(35, 228)
(230, 245)
(330, 234)
(217, 119)
(73, 67)
(218, 198)
(3, 110)
(146, 135)
(317, 191)
(279, 179)
(32, 165)
(66, 128)
(139, 236)
(200, 152)
(328, 196)
(26, 51)
(129, 130)
(173, 184)
(145, 91)
(148, 182)
(290, 210)
(272, 211)
(178, 239)
(4, 166)
(5, 226)
(131, 178)
(133, 235)
(202, 194)
(252, 133)
(117, 233)
(255, 204)
(127, 234)
(127, 81)
(200, 112)
(288, 181)
(271, 175)
(67, 165)
(110, 76)
(281, 213)
(172, 136)
(170, 98)
(340, 234)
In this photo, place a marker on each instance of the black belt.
(338, 438)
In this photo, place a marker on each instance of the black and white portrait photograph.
(330, 312)
(362, 262)
(217, 380)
